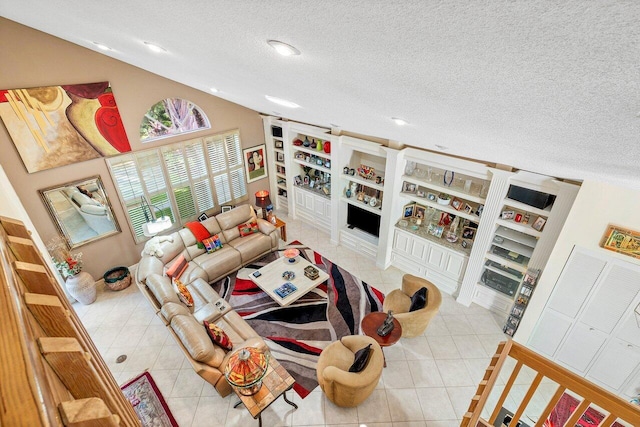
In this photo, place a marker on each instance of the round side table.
(370, 324)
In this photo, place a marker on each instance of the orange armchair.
(415, 322)
(344, 388)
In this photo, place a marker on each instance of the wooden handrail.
(613, 407)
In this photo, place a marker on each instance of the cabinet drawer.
(403, 263)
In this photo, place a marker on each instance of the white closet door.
(580, 347)
(616, 363)
(549, 332)
(580, 273)
(617, 290)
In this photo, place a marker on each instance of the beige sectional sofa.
(185, 323)
(236, 251)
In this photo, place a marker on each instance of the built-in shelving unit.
(476, 243)
(519, 229)
(362, 196)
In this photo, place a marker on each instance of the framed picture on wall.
(255, 163)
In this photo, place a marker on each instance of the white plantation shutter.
(180, 180)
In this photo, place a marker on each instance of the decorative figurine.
(387, 326)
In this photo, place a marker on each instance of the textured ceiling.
(551, 87)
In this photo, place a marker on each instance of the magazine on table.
(285, 290)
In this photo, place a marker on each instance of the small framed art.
(277, 143)
(468, 208)
(255, 161)
(621, 240)
(408, 187)
(226, 208)
(538, 224)
(202, 217)
(468, 233)
(279, 157)
(409, 209)
(457, 204)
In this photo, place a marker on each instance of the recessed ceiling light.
(283, 48)
(399, 121)
(213, 90)
(155, 47)
(102, 46)
(282, 102)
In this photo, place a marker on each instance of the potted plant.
(444, 199)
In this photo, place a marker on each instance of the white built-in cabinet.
(313, 207)
(402, 177)
(423, 258)
(588, 324)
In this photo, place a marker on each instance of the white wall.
(597, 205)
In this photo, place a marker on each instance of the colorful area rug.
(296, 334)
(147, 401)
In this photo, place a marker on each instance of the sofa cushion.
(250, 247)
(183, 293)
(196, 341)
(230, 220)
(212, 225)
(248, 228)
(192, 273)
(212, 244)
(360, 359)
(190, 244)
(218, 336)
(172, 248)
(171, 309)
(418, 299)
(160, 287)
(222, 262)
(177, 267)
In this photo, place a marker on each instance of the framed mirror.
(81, 211)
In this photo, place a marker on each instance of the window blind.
(180, 180)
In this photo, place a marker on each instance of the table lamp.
(245, 370)
(262, 201)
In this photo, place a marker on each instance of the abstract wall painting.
(54, 126)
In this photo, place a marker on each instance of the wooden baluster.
(90, 412)
(36, 278)
(53, 318)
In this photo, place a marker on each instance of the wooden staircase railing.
(51, 372)
(614, 408)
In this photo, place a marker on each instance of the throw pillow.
(218, 336)
(177, 267)
(419, 299)
(248, 228)
(361, 359)
(199, 232)
(183, 293)
(212, 243)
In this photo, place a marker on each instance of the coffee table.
(370, 324)
(276, 382)
(271, 279)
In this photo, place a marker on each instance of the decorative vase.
(82, 287)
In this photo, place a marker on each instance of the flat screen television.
(363, 220)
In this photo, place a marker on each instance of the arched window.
(170, 117)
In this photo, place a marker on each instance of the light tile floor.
(429, 380)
